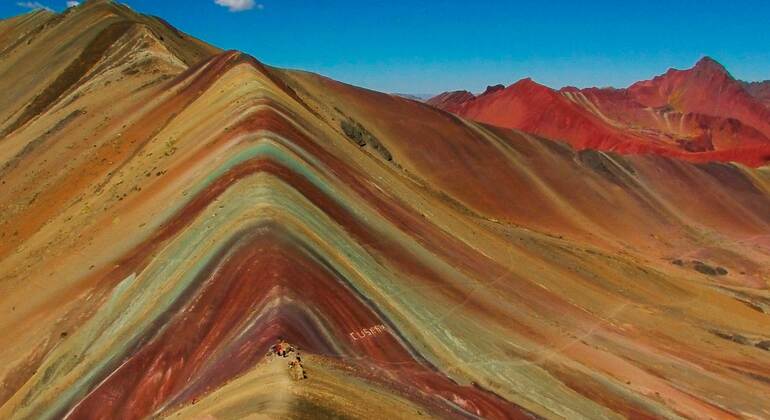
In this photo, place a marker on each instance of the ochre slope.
(163, 225)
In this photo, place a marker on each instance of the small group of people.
(296, 369)
(283, 349)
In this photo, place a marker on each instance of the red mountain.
(700, 114)
(759, 90)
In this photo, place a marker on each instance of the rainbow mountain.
(169, 211)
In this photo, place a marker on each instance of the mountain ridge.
(700, 114)
(167, 225)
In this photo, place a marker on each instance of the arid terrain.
(701, 114)
(173, 217)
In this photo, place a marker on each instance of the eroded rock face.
(172, 211)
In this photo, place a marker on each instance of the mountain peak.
(493, 89)
(709, 65)
(529, 83)
(707, 61)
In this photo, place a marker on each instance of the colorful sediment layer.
(168, 211)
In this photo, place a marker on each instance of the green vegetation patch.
(362, 137)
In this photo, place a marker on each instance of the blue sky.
(429, 46)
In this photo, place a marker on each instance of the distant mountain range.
(700, 114)
(421, 97)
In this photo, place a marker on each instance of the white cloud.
(33, 5)
(239, 5)
(72, 3)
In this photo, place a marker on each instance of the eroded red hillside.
(759, 90)
(700, 114)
